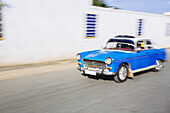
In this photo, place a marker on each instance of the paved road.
(65, 91)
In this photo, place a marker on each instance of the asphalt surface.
(67, 91)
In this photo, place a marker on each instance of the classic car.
(121, 57)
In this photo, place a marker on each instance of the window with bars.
(140, 27)
(91, 25)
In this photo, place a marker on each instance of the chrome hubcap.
(123, 73)
(159, 64)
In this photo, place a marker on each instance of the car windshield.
(120, 44)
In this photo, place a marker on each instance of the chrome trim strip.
(98, 71)
(143, 69)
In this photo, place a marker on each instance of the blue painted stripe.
(91, 24)
(94, 18)
(139, 33)
(91, 21)
(91, 15)
(91, 31)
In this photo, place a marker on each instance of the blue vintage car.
(121, 57)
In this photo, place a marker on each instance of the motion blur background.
(35, 31)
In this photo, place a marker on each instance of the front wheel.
(159, 65)
(122, 73)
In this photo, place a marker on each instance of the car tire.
(83, 73)
(122, 74)
(159, 65)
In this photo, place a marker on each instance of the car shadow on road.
(102, 77)
(111, 78)
(143, 72)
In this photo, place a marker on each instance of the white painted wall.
(112, 22)
(41, 30)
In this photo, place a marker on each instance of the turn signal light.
(79, 63)
(109, 68)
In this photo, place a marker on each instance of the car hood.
(101, 55)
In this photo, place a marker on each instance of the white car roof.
(133, 39)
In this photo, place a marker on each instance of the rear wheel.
(159, 65)
(122, 73)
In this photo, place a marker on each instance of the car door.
(151, 53)
(142, 56)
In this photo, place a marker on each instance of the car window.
(140, 45)
(148, 42)
(111, 45)
(120, 44)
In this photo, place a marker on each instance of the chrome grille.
(94, 64)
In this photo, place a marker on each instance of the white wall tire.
(159, 65)
(122, 74)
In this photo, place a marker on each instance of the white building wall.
(112, 22)
(40, 30)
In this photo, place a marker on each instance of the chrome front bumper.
(97, 71)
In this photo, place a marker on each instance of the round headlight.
(108, 60)
(78, 56)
